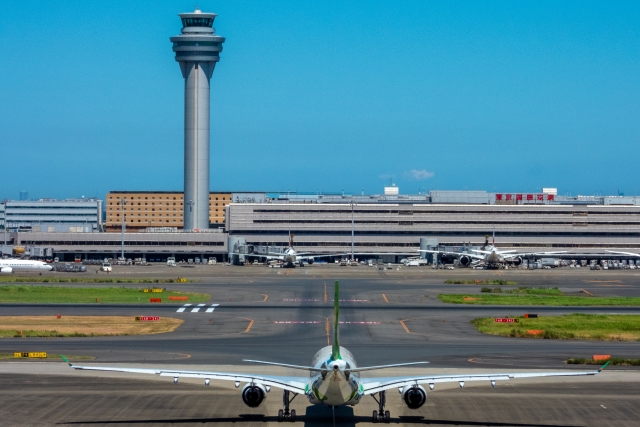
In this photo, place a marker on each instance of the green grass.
(523, 291)
(59, 294)
(614, 361)
(81, 279)
(480, 282)
(528, 299)
(572, 326)
(4, 356)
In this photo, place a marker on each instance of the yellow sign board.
(36, 355)
(153, 290)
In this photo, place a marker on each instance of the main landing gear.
(381, 416)
(286, 414)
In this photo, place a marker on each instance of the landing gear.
(381, 416)
(286, 414)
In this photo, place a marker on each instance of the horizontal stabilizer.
(284, 365)
(372, 368)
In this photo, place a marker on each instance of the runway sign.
(174, 298)
(40, 355)
(530, 316)
(153, 290)
(155, 299)
(147, 318)
(505, 320)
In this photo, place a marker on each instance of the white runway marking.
(181, 309)
(213, 307)
(197, 309)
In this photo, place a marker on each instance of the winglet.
(604, 366)
(335, 349)
(66, 360)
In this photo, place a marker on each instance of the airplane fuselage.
(336, 386)
(23, 264)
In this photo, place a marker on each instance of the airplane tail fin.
(335, 348)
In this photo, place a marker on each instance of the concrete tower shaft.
(197, 51)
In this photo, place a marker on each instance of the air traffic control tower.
(197, 51)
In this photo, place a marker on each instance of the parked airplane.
(490, 256)
(334, 380)
(8, 265)
(290, 257)
(633, 254)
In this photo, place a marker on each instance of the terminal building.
(52, 216)
(379, 223)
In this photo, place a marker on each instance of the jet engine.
(6, 270)
(253, 394)
(465, 260)
(310, 261)
(516, 261)
(414, 397)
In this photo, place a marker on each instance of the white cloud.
(418, 175)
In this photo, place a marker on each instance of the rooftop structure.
(51, 215)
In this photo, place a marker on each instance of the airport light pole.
(4, 222)
(124, 225)
(352, 231)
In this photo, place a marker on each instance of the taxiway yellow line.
(325, 292)
(405, 327)
(326, 327)
(250, 325)
(385, 298)
(265, 297)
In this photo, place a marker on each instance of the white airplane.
(334, 380)
(633, 254)
(290, 257)
(7, 266)
(490, 255)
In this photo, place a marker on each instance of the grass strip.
(82, 326)
(523, 290)
(60, 294)
(6, 356)
(81, 279)
(480, 282)
(614, 361)
(549, 300)
(567, 327)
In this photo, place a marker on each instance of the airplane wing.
(624, 253)
(293, 384)
(375, 385)
(452, 253)
(532, 253)
(279, 256)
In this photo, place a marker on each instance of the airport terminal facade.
(379, 224)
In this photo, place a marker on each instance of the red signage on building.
(529, 196)
(518, 196)
(509, 196)
(498, 196)
(540, 197)
(550, 197)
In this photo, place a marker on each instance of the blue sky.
(325, 96)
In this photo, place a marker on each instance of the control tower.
(197, 51)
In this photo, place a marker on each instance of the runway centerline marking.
(210, 309)
(318, 322)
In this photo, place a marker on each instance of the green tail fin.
(335, 349)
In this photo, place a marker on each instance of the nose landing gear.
(286, 414)
(381, 416)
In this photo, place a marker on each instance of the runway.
(285, 316)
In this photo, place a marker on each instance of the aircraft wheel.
(375, 416)
(292, 417)
(280, 415)
(387, 417)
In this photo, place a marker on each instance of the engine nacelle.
(310, 261)
(465, 261)
(516, 261)
(414, 397)
(6, 270)
(253, 394)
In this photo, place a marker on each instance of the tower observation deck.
(197, 51)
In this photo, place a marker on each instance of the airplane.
(633, 254)
(490, 256)
(290, 257)
(8, 265)
(333, 379)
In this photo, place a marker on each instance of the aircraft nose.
(49, 267)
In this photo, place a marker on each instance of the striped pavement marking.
(316, 322)
(197, 308)
(181, 309)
